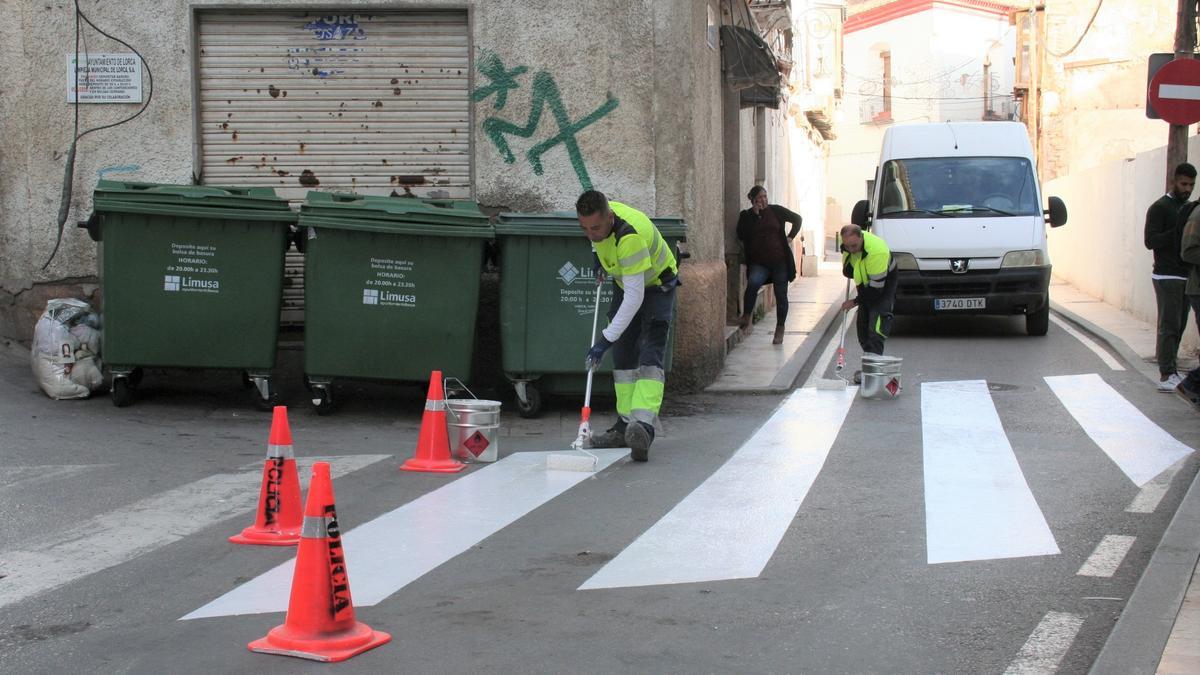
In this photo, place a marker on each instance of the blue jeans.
(756, 277)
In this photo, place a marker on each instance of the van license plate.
(959, 303)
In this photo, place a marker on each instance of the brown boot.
(745, 322)
(778, 339)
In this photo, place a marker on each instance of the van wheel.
(1037, 323)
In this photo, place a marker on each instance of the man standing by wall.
(1164, 230)
(867, 260)
(633, 252)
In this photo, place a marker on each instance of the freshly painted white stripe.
(1088, 342)
(1138, 446)
(730, 526)
(118, 536)
(1185, 92)
(393, 550)
(977, 503)
(1107, 557)
(1148, 498)
(1047, 645)
(828, 355)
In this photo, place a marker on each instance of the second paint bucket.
(474, 428)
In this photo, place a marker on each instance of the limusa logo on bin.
(175, 284)
(569, 273)
(370, 296)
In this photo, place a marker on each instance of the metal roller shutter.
(369, 103)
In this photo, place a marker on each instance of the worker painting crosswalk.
(976, 501)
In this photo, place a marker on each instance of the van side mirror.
(861, 215)
(1056, 215)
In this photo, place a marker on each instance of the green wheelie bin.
(192, 277)
(547, 299)
(391, 288)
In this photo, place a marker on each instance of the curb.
(1137, 641)
(1110, 340)
(785, 379)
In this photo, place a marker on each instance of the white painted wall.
(937, 70)
(1101, 249)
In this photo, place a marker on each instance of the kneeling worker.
(867, 260)
(633, 252)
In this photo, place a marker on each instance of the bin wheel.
(322, 400)
(135, 376)
(122, 394)
(268, 402)
(531, 407)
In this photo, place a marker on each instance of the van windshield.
(960, 187)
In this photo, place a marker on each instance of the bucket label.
(389, 284)
(892, 386)
(476, 443)
(192, 268)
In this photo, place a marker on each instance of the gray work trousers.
(1172, 319)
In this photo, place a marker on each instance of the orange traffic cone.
(433, 445)
(277, 522)
(320, 623)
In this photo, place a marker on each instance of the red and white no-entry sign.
(1175, 91)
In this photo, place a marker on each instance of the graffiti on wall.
(545, 94)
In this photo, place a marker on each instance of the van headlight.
(1033, 258)
(904, 261)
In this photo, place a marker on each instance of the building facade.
(519, 105)
(915, 61)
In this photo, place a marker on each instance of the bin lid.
(192, 195)
(566, 224)
(203, 201)
(460, 212)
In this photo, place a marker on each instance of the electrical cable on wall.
(69, 175)
(1096, 11)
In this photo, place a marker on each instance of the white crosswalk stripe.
(391, 551)
(123, 534)
(1138, 446)
(978, 505)
(730, 526)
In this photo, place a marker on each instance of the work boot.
(857, 378)
(745, 322)
(639, 436)
(778, 339)
(613, 438)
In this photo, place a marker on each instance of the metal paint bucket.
(880, 376)
(473, 426)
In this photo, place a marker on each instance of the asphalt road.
(117, 519)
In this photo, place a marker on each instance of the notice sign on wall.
(105, 78)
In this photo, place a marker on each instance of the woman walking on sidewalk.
(768, 255)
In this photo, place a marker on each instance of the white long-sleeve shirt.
(635, 291)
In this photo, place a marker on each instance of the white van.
(959, 205)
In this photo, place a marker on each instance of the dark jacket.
(748, 219)
(1190, 252)
(1164, 230)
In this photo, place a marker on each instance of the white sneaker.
(1169, 384)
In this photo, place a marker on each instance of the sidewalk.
(1159, 629)
(757, 366)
